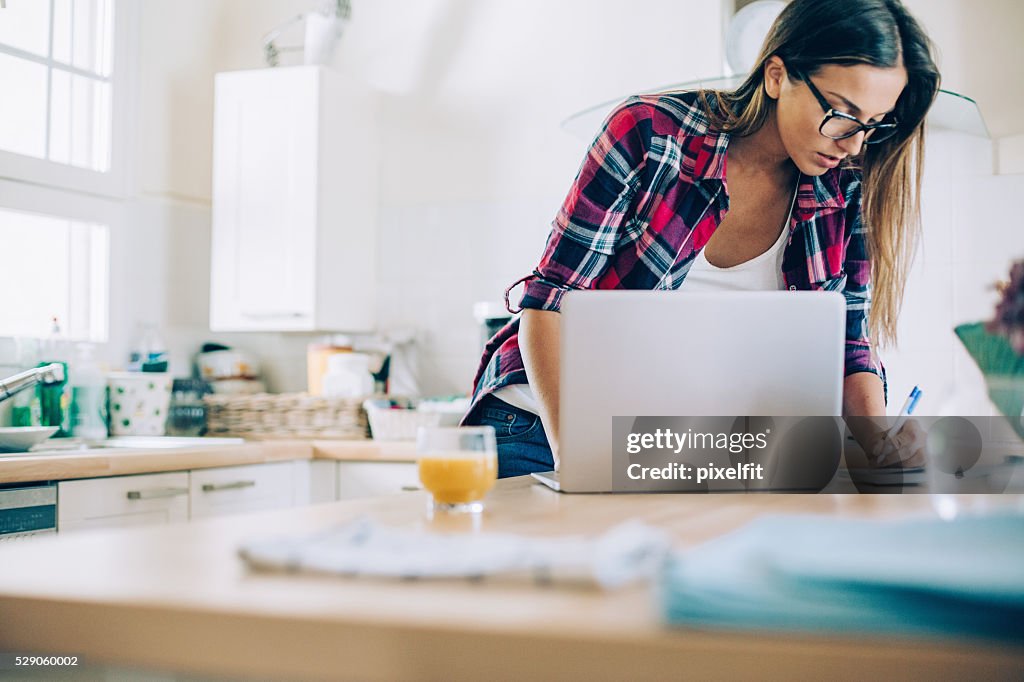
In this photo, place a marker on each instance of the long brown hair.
(806, 36)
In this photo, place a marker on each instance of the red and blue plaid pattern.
(649, 195)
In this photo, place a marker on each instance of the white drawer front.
(367, 479)
(122, 501)
(234, 490)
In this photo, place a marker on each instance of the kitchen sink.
(59, 445)
(163, 442)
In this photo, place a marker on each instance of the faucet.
(48, 374)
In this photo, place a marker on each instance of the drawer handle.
(274, 316)
(214, 487)
(411, 488)
(156, 493)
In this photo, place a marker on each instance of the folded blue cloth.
(918, 577)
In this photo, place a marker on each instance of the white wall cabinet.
(144, 499)
(294, 202)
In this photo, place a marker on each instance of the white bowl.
(21, 438)
(227, 364)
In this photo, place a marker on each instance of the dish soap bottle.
(149, 354)
(55, 398)
(88, 397)
(25, 410)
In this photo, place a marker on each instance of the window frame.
(74, 207)
(116, 182)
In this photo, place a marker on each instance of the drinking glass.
(457, 465)
(974, 467)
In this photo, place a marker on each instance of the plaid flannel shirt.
(648, 197)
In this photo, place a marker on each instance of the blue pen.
(905, 411)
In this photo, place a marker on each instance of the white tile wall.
(436, 261)
(1010, 154)
(972, 233)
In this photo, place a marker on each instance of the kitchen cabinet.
(233, 490)
(144, 499)
(294, 202)
(368, 479)
(317, 482)
(149, 499)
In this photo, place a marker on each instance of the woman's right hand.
(907, 448)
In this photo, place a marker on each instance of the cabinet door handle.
(156, 493)
(213, 487)
(273, 316)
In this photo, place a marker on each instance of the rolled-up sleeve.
(860, 354)
(600, 202)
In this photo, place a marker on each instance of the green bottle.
(54, 403)
(55, 399)
(26, 410)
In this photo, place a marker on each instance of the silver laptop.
(667, 353)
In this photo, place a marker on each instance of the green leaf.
(1002, 367)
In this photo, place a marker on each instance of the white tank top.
(760, 273)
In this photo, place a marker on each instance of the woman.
(805, 177)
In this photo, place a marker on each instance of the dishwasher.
(27, 509)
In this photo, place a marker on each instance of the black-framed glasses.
(838, 125)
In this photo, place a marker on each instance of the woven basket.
(286, 415)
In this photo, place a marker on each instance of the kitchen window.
(62, 93)
(63, 141)
(61, 270)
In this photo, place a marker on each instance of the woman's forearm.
(864, 408)
(539, 339)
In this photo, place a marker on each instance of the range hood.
(744, 37)
(951, 110)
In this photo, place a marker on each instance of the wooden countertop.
(24, 467)
(178, 598)
(365, 450)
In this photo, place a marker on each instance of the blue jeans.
(522, 444)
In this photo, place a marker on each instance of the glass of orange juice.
(458, 465)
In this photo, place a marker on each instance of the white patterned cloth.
(628, 553)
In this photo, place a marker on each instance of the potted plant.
(997, 347)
